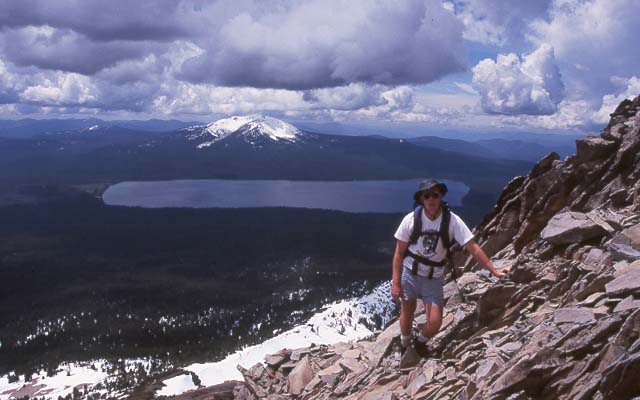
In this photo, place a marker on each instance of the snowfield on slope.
(337, 322)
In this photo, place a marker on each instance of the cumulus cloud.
(498, 21)
(511, 85)
(565, 64)
(8, 92)
(66, 50)
(307, 45)
(630, 88)
(67, 89)
(350, 97)
(119, 55)
(105, 20)
(593, 42)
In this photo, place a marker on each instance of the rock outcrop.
(565, 322)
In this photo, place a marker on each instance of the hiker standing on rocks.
(422, 251)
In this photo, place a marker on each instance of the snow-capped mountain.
(253, 129)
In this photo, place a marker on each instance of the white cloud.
(594, 41)
(350, 97)
(465, 87)
(67, 88)
(510, 85)
(328, 43)
(630, 89)
(498, 22)
(66, 50)
(187, 98)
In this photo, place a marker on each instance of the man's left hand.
(503, 271)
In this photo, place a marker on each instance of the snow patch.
(62, 384)
(177, 385)
(342, 321)
(93, 377)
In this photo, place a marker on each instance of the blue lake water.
(350, 196)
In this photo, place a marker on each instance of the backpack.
(444, 236)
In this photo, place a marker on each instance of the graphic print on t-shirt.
(429, 242)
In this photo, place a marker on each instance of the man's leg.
(406, 320)
(433, 312)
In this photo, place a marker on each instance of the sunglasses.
(428, 195)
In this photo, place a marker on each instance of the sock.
(405, 340)
(422, 338)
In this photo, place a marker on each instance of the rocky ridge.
(564, 324)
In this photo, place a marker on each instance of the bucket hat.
(428, 184)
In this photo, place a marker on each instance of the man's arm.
(398, 256)
(482, 259)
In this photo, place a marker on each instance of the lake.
(350, 196)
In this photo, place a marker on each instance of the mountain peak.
(252, 127)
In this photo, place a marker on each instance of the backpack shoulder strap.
(446, 240)
(417, 225)
(444, 228)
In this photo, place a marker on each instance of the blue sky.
(546, 65)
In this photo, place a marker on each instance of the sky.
(558, 66)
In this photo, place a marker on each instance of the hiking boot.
(409, 358)
(420, 347)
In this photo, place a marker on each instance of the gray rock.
(275, 360)
(528, 373)
(571, 227)
(410, 358)
(510, 348)
(595, 217)
(297, 354)
(488, 368)
(494, 301)
(352, 365)
(524, 272)
(382, 344)
(622, 267)
(354, 353)
(592, 299)
(334, 369)
(626, 245)
(416, 384)
(594, 285)
(573, 315)
(620, 380)
(580, 344)
(256, 371)
(288, 366)
(379, 394)
(628, 303)
(594, 257)
(624, 284)
(300, 376)
(594, 148)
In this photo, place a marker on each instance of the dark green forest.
(82, 280)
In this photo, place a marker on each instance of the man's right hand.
(396, 291)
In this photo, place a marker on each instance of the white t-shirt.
(430, 245)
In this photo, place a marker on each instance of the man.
(419, 260)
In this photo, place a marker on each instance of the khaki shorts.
(421, 287)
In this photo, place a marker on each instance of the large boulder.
(571, 227)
